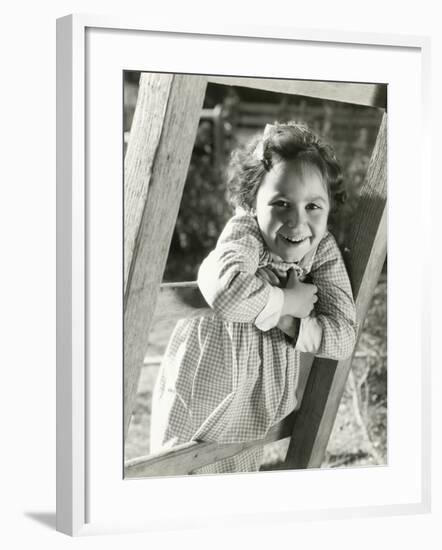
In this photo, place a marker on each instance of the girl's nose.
(295, 219)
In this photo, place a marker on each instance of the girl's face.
(292, 207)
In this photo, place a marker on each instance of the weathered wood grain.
(367, 248)
(183, 459)
(373, 95)
(160, 146)
(145, 136)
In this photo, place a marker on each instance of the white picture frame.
(92, 496)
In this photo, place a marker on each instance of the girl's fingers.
(274, 278)
(263, 275)
(293, 276)
(268, 275)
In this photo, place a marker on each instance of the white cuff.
(207, 278)
(310, 335)
(269, 316)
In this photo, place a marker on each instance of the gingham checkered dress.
(222, 379)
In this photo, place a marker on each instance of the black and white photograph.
(255, 274)
(221, 275)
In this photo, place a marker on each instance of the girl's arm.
(227, 277)
(330, 330)
(335, 313)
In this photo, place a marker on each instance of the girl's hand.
(288, 325)
(299, 297)
(266, 274)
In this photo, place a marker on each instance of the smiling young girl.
(277, 286)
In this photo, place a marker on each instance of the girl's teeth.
(294, 240)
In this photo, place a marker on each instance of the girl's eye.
(312, 206)
(281, 204)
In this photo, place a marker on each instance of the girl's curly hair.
(287, 141)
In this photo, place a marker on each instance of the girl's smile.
(292, 207)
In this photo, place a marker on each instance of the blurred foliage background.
(230, 117)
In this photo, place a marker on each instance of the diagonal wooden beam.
(185, 458)
(372, 95)
(367, 247)
(158, 155)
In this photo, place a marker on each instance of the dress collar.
(302, 267)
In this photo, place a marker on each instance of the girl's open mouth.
(293, 241)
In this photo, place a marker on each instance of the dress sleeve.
(310, 335)
(227, 277)
(335, 309)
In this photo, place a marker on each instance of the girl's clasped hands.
(299, 297)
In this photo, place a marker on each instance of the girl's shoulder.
(327, 250)
(242, 235)
(241, 225)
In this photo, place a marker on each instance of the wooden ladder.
(158, 155)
